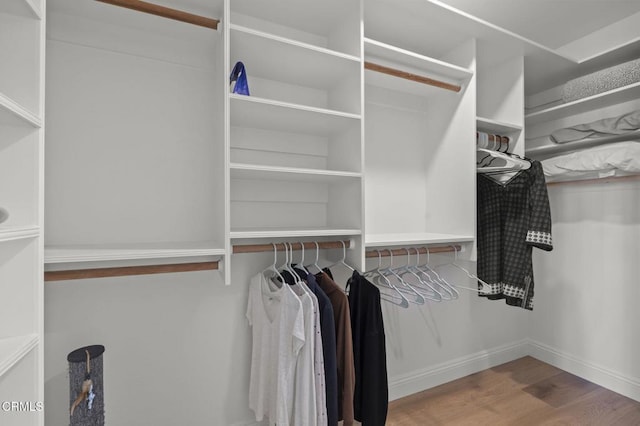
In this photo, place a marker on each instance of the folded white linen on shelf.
(621, 158)
(618, 125)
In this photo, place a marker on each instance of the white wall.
(587, 288)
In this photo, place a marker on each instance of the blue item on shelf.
(239, 75)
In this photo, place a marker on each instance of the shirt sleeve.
(539, 229)
(298, 338)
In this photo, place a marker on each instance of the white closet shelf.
(25, 8)
(99, 253)
(250, 171)
(497, 127)
(417, 238)
(14, 114)
(418, 65)
(291, 233)
(249, 111)
(13, 349)
(601, 100)
(18, 232)
(277, 58)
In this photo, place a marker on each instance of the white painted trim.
(419, 380)
(602, 376)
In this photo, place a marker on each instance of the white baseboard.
(609, 379)
(445, 372)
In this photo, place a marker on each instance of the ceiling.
(552, 23)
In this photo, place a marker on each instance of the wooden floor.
(522, 392)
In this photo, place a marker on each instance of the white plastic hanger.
(396, 298)
(315, 263)
(425, 289)
(486, 288)
(272, 268)
(511, 163)
(343, 260)
(427, 270)
(404, 286)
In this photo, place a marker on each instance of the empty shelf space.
(404, 239)
(13, 349)
(250, 171)
(496, 127)
(18, 232)
(250, 111)
(277, 58)
(24, 8)
(600, 100)
(14, 114)
(247, 233)
(98, 253)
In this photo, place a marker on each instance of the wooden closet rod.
(165, 12)
(308, 245)
(413, 77)
(412, 251)
(78, 274)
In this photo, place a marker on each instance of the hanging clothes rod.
(413, 77)
(78, 274)
(165, 12)
(308, 245)
(412, 251)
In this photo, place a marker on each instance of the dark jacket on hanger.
(513, 217)
(344, 346)
(369, 353)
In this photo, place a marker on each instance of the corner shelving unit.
(21, 244)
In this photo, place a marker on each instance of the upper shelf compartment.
(589, 103)
(406, 71)
(329, 24)
(289, 70)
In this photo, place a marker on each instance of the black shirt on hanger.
(369, 354)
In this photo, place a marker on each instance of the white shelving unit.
(411, 197)
(21, 244)
(153, 153)
(294, 146)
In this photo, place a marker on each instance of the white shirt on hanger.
(276, 317)
(305, 410)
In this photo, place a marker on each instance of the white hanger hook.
(275, 254)
(302, 249)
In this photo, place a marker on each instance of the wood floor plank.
(525, 392)
(560, 389)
